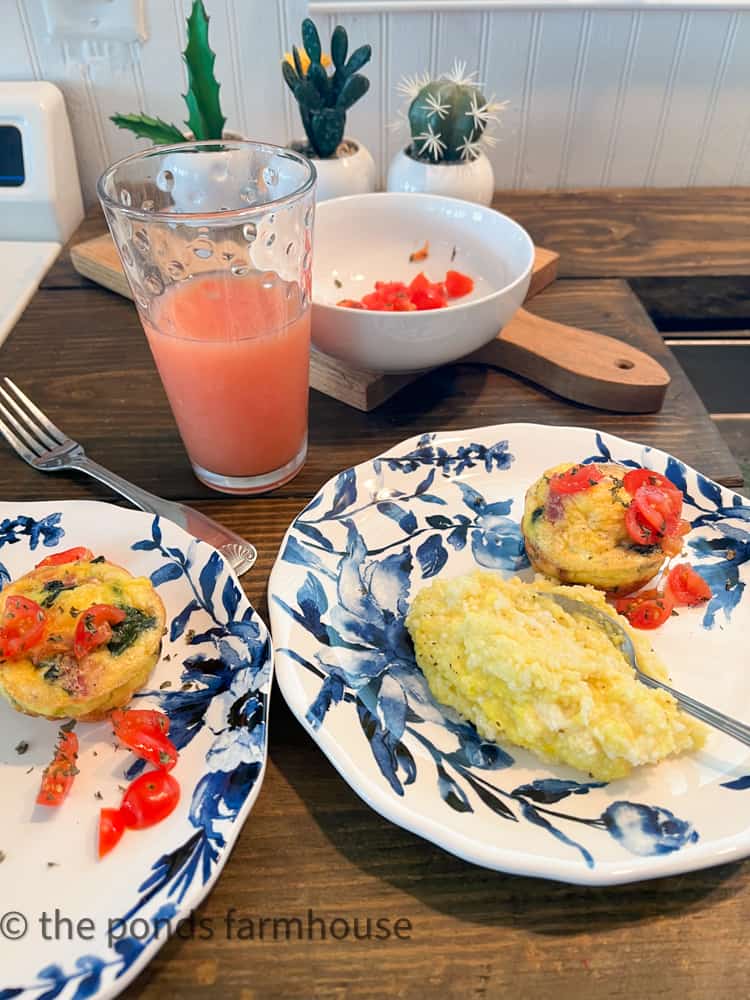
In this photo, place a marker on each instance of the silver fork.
(33, 436)
(620, 638)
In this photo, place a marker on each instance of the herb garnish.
(54, 588)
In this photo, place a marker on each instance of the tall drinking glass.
(216, 242)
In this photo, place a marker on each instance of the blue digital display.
(12, 173)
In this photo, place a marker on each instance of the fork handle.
(239, 553)
(724, 723)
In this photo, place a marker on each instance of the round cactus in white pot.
(448, 119)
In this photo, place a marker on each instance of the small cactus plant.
(324, 99)
(448, 116)
(205, 119)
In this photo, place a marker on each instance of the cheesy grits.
(522, 669)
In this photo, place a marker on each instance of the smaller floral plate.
(72, 926)
(348, 569)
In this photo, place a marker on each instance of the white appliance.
(40, 195)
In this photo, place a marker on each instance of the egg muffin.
(582, 538)
(79, 638)
(508, 658)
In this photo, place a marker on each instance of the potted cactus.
(344, 166)
(205, 118)
(448, 119)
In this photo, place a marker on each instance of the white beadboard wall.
(599, 93)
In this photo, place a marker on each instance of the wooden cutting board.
(581, 365)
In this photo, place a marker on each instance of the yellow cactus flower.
(305, 60)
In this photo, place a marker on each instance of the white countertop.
(22, 266)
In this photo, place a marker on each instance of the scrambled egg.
(522, 669)
(49, 680)
(582, 538)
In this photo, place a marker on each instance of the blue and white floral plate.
(440, 504)
(75, 927)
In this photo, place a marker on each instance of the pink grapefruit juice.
(233, 354)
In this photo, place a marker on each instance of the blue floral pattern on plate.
(214, 683)
(346, 573)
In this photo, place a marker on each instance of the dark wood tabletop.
(310, 844)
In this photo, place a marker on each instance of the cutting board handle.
(581, 365)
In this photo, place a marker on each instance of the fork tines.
(26, 428)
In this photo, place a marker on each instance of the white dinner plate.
(72, 926)
(347, 571)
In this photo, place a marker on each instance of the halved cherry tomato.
(646, 610)
(94, 628)
(78, 554)
(148, 740)
(623, 604)
(24, 624)
(111, 829)
(647, 477)
(458, 284)
(640, 532)
(58, 776)
(144, 719)
(149, 800)
(650, 614)
(576, 479)
(685, 587)
(656, 509)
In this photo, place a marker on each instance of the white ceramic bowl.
(365, 238)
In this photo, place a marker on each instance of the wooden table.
(310, 843)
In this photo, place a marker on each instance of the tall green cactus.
(447, 119)
(324, 100)
(205, 118)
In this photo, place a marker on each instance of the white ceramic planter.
(189, 196)
(347, 173)
(471, 181)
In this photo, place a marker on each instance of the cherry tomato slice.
(350, 304)
(656, 509)
(147, 741)
(111, 829)
(24, 624)
(625, 604)
(640, 532)
(458, 284)
(58, 776)
(576, 479)
(78, 554)
(647, 477)
(686, 587)
(144, 719)
(149, 800)
(650, 614)
(94, 628)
